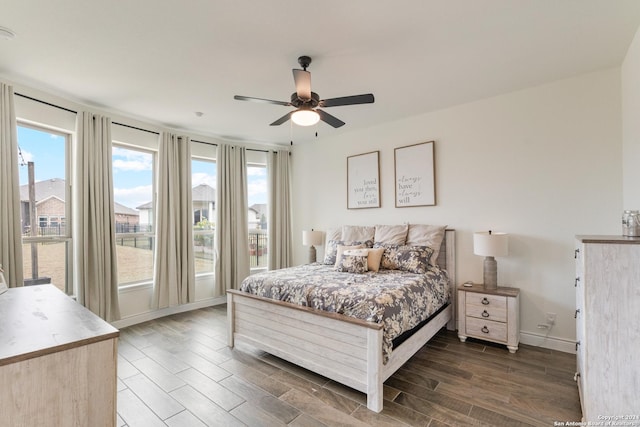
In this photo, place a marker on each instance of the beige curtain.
(174, 268)
(95, 259)
(10, 229)
(280, 235)
(232, 225)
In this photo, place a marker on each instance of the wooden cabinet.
(608, 327)
(490, 314)
(57, 361)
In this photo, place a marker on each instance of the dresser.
(607, 316)
(57, 361)
(490, 314)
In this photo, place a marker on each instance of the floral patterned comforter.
(397, 299)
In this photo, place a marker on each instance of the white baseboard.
(553, 343)
(156, 314)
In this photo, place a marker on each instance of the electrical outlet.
(551, 318)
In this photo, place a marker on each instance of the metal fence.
(135, 236)
(138, 236)
(258, 248)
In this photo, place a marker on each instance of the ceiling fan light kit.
(306, 102)
(305, 117)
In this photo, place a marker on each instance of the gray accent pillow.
(413, 259)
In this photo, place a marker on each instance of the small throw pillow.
(342, 248)
(332, 249)
(374, 259)
(353, 261)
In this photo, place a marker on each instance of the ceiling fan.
(306, 102)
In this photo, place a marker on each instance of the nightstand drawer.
(486, 329)
(493, 307)
(488, 313)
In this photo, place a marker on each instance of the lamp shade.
(311, 238)
(490, 243)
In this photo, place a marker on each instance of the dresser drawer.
(486, 329)
(491, 307)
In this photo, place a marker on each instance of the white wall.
(631, 125)
(542, 164)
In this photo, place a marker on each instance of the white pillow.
(426, 235)
(392, 234)
(357, 233)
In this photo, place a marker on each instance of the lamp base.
(312, 254)
(490, 274)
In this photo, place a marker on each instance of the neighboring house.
(203, 199)
(203, 202)
(127, 219)
(50, 196)
(261, 208)
(253, 217)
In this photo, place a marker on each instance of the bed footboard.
(341, 348)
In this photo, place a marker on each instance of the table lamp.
(311, 238)
(490, 244)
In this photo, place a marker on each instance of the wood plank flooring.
(178, 371)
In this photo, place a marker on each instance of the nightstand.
(490, 314)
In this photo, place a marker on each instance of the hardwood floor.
(178, 371)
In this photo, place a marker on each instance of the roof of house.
(260, 208)
(55, 187)
(200, 193)
(45, 189)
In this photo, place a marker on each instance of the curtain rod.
(135, 127)
(248, 149)
(45, 103)
(125, 125)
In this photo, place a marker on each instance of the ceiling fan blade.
(329, 119)
(265, 101)
(282, 119)
(347, 100)
(302, 79)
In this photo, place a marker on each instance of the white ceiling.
(163, 60)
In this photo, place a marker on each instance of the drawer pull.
(575, 316)
(485, 301)
(577, 344)
(485, 330)
(576, 376)
(485, 314)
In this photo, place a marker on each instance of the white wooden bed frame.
(342, 348)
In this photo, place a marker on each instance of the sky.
(132, 169)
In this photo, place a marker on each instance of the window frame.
(154, 189)
(213, 160)
(69, 141)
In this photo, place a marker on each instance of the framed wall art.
(363, 180)
(415, 175)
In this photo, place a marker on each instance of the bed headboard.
(447, 260)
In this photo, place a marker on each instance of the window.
(257, 216)
(45, 197)
(133, 189)
(203, 181)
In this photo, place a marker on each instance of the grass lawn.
(134, 264)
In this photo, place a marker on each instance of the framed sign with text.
(363, 181)
(415, 175)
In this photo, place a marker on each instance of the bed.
(354, 351)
